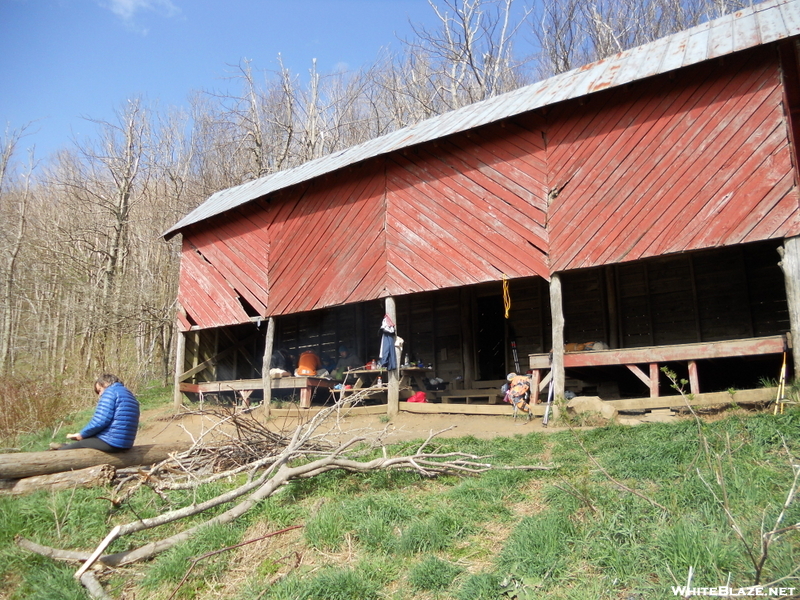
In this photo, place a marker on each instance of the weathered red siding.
(672, 165)
(695, 160)
(327, 244)
(467, 209)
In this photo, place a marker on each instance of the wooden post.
(557, 313)
(467, 346)
(180, 359)
(266, 379)
(613, 316)
(393, 393)
(790, 263)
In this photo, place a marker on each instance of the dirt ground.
(163, 425)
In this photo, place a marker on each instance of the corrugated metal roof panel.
(763, 23)
(720, 39)
(770, 22)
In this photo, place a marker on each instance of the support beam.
(557, 314)
(266, 363)
(211, 362)
(467, 338)
(180, 358)
(790, 263)
(393, 394)
(654, 380)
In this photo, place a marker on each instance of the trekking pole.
(546, 418)
(516, 356)
(781, 389)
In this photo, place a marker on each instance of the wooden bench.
(488, 390)
(653, 355)
(306, 386)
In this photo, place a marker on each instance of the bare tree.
(13, 207)
(572, 33)
(472, 49)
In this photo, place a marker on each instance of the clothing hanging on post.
(388, 355)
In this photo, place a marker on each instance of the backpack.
(519, 392)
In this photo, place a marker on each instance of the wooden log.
(29, 464)
(90, 477)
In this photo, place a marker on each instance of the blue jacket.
(116, 417)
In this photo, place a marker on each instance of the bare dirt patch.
(162, 425)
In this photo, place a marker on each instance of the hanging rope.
(506, 295)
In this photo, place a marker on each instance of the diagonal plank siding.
(700, 159)
(327, 244)
(204, 293)
(466, 209)
(667, 167)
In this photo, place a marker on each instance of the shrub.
(28, 405)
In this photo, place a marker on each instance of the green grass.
(561, 534)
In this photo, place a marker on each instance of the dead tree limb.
(294, 461)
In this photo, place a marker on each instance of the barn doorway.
(491, 337)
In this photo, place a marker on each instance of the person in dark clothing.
(115, 421)
(346, 362)
(281, 359)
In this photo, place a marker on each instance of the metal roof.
(760, 24)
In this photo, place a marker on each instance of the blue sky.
(63, 60)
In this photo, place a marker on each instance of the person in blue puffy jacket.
(115, 421)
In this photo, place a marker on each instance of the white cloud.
(128, 9)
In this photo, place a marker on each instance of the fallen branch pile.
(270, 461)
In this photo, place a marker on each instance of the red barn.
(630, 212)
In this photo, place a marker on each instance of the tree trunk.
(29, 464)
(90, 477)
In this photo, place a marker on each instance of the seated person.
(346, 362)
(308, 365)
(281, 363)
(115, 421)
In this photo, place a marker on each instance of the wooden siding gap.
(205, 296)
